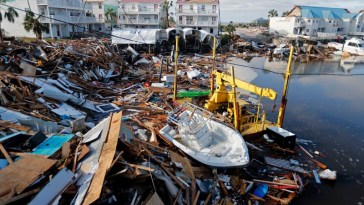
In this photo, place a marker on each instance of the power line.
(121, 6)
(72, 24)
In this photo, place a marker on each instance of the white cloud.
(247, 10)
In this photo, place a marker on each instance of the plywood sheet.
(105, 160)
(16, 177)
(187, 168)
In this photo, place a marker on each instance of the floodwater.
(325, 105)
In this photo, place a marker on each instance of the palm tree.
(285, 13)
(9, 14)
(32, 23)
(272, 13)
(230, 28)
(167, 20)
(110, 12)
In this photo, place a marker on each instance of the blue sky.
(247, 10)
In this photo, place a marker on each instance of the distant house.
(141, 13)
(318, 22)
(198, 14)
(61, 16)
(260, 21)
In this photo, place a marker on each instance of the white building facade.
(142, 14)
(198, 14)
(64, 17)
(318, 22)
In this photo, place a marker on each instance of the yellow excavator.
(237, 109)
(244, 121)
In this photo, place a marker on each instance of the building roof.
(323, 12)
(141, 1)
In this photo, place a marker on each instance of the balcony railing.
(139, 10)
(196, 11)
(140, 21)
(68, 19)
(326, 35)
(198, 23)
(65, 4)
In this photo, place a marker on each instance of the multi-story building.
(141, 13)
(64, 17)
(318, 22)
(105, 12)
(198, 14)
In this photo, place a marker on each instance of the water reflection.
(333, 65)
(328, 110)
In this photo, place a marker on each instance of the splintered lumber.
(163, 167)
(16, 177)
(5, 153)
(196, 198)
(105, 160)
(187, 168)
(15, 126)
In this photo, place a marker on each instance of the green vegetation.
(32, 23)
(9, 14)
(272, 13)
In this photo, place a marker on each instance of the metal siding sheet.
(52, 144)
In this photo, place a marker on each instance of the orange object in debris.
(147, 84)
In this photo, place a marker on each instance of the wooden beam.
(105, 160)
(5, 153)
(162, 166)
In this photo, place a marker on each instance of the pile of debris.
(80, 124)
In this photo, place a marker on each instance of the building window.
(155, 17)
(155, 7)
(309, 21)
(213, 18)
(307, 30)
(124, 17)
(100, 16)
(100, 5)
(180, 7)
(202, 7)
(213, 8)
(189, 20)
(330, 21)
(133, 6)
(191, 7)
(211, 30)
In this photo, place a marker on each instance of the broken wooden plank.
(15, 126)
(22, 173)
(162, 166)
(5, 153)
(105, 160)
(187, 168)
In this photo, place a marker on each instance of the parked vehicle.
(354, 46)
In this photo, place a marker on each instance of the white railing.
(206, 23)
(140, 21)
(325, 35)
(68, 19)
(196, 11)
(65, 4)
(139, 10)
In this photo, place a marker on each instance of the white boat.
(335, 45)
(354, 46)
(204, 139)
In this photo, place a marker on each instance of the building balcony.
(140, 22)
(139, 11)
(198, 23)
(79, 5)
(326, 35)
(211, 12)
(69, 19)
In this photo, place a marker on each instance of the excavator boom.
(264, 92)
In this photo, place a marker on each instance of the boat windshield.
(360, 45)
